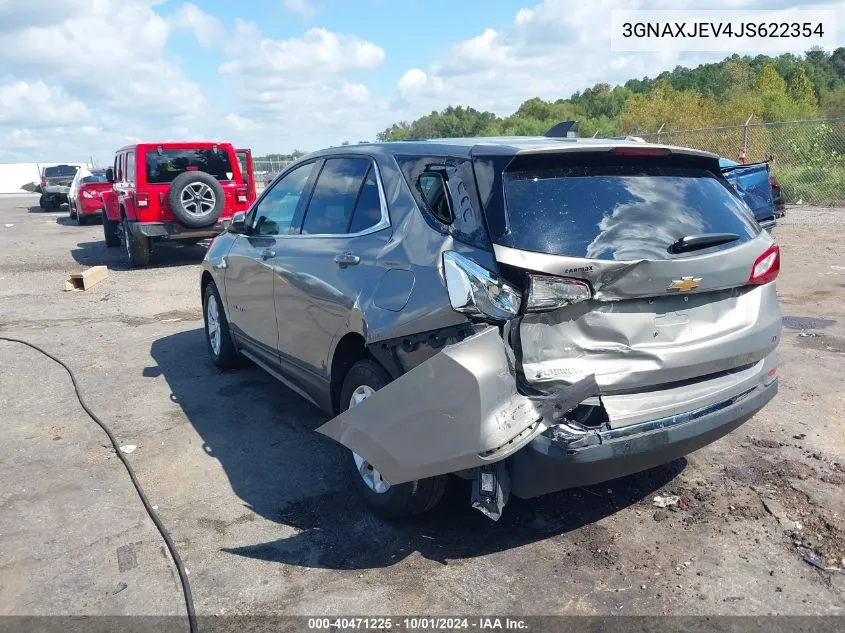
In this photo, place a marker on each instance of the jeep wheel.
(389, 501)
(137, 247)
(196, 199)
(110, 231)
(218, 337)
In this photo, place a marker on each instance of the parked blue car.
(754, 186)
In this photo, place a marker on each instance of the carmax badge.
(685, 284)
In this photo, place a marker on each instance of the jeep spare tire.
(196, 199)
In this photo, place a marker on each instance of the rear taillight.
(550, 293)
(43, 181)
(241, 194)
(88, 194)
(142, 200)
(476, 291)
(766, 267)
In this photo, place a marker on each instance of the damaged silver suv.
(531, 314)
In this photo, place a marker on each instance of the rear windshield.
(164, 166)
(618, 212)
(97, 176)
(60, 170)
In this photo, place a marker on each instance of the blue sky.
(80, 78)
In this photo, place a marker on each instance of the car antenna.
(564, 129)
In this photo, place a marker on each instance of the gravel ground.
(267, 524)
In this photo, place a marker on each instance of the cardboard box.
(87, 278)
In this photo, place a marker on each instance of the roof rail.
(565, 129)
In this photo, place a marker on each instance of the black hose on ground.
(183, 575)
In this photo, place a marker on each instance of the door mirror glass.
(238, 223)
(110, 174)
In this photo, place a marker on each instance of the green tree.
(832, 102)
(800, 89)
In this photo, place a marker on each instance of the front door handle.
(267, 253)
(346, 259)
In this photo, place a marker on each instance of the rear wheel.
(111, 231)
(137, 247)
(389, 501)
(81, 219)
(74, 215)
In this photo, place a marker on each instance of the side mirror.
(110, 174)
(238, 223)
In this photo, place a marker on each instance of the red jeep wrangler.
(174, 191)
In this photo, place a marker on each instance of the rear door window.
(618, 212)
(164, 166)
(368, 207)
(130, 167)
(335, 196)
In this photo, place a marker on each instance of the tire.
(46, 202)
(222, 352)
(137, 247)
(81, 219)
(73, 213)
(110, 231)
(196, 199)
(401, 500)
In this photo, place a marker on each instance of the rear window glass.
(99, 176)
(165, 166)
(618, 212)
(60, 170)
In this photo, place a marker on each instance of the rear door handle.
(346, 259)
(267, 253)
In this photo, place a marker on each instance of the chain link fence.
(807, 157)
(267, 170)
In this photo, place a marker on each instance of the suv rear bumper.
(176, 231)
(545, 466)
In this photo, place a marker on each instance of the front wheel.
(137, 247)
(218, 337)
(389, 501)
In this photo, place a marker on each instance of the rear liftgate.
(456, 411)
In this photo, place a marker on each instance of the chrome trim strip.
(674, 420)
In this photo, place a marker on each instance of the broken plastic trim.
(458, 410)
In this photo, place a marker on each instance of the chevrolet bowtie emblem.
(685, 284)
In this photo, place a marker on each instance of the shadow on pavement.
(164, 254)
(263, 436)
(63, 208)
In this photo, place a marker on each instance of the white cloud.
(38, 105)
(318, 51)
(300, 7)
(241, 124)
(107, 51)
(206, 28)
(301, 87)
